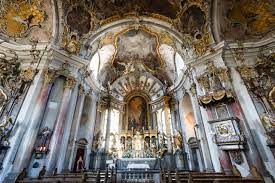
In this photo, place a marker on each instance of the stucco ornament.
(70, 42)
(18, 17)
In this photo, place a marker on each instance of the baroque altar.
(134, 144)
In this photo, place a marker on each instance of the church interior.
(164, 91)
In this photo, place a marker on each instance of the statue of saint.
(138, 141)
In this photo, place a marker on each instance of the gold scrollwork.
(70, 83)
(28, 74)
(18, 17)
(49, 76)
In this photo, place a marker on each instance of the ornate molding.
(259, 78)
(216, 97)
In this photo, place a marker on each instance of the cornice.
(72, 60)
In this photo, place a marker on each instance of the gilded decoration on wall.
(19, 16)
(28, 74)
(71, 42)
(213, 83)
(201, 46)
(259, 78)
(9, 73)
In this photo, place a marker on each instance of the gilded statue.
(137, 145)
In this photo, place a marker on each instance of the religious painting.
(137, 114)
(193, 21)
(222, 112)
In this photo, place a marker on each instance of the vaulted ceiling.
(113, 35)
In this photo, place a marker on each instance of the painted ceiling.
(74, 26)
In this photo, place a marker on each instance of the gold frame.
(127, 99)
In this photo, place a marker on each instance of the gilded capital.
(28, 74)
(70, 83)
(49, 76)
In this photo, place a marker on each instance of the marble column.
(188, 164)
(22, 120)
(56, 139)
(203, 143)
(25, 150)
(225, 162)
(68, 125)
(90, 128)
(107, 137)
(259, 153)
(168, 123)
(73, 135)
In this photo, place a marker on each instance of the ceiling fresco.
(131, 47)
(188, 16)
(137, 45)
(105, 8)
(24, 18)
(246, 19)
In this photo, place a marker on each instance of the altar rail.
(142, 176)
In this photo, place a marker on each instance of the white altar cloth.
(138, 166)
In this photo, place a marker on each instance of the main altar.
(137, 133)
(135, 149)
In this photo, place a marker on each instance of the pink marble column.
(168, 123)
(25, 150)
(253, 155)
(89, 135)
(225, 162)
(75, 126)
(56, 139)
